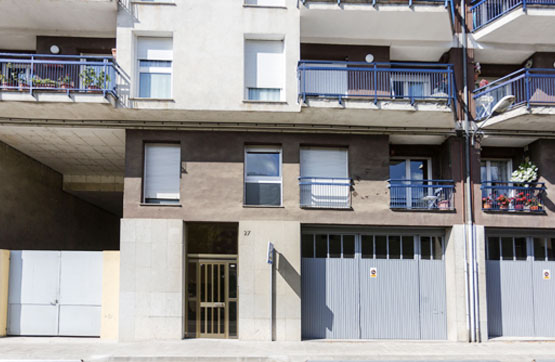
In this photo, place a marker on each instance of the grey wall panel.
(389, 302)
(433, 317)
(317, 318)
(341, 298)
(544, 299)
(510, 298)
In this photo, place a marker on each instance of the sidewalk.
(89, 349)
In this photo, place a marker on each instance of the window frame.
(488, 169)
(263, 179)
(166, 202)
(156, 70)
(247, 87)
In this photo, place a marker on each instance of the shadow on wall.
(317, 318)
(289, 274)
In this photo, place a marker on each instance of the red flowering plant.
(503, 201)
(487, 202)
(519, 201)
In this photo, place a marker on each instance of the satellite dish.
(369, 58)
(54, 49)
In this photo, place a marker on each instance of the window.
(263, 176)
(495, 170)
(324, 181)
(410, 186)
(264, 70)
(154, 57)
(265, 2)
(162, 172)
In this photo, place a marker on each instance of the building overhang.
(522, 119)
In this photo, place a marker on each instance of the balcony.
(534, 91)
(513, 197)
(397, 24)
(422, 195)
(325, 193)
(57, 78)
(514, 21)
(409, 82)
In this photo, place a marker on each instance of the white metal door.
(55, 293)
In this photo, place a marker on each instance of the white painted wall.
(208, 50)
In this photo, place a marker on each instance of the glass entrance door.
(212, 298)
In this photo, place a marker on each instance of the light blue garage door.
(373, 286)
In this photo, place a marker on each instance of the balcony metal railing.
(534, 86)
(406, 81)
(421, 194)
(512, 196)
(486, 11)
(57, 73)
(325, 193)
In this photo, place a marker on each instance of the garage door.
(373, 286)
(520, 286)
(55, 293)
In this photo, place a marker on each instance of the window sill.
(263, 206)
(152, 99)
(263, 102)
(265, 6)
(163, 205)
(152, 2)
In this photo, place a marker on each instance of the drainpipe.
(469, 226)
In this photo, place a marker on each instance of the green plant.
(100, 79)
(88, 77)
(64, 80)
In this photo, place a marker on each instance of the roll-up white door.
(324, 162)
(162, 169)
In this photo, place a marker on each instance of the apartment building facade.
(155, 160)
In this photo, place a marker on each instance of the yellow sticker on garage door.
(373, 272)
(546, 274)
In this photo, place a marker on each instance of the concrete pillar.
(455, 289)
(152, 275)
(254, 280)
(110, 295)
(482, 302)
(4, 280)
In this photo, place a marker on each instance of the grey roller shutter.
(162, 171)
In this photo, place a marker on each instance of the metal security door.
(520, 287)
(387, 287)
(55, 293)
(213, 299)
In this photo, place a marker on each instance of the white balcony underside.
(23, 20)
(352, 115)
(374, 25)
(537, 119)
(535, 26)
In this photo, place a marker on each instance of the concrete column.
(482, 301)
(254, 280)
(455, 289)
(4, 280)
(152, 279)
(110, 295)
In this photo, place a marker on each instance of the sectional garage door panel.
(433, 306)
(80, 277)
(390, 309)
(373, 287)
(32, 320)
(544, 298)
(78, 320)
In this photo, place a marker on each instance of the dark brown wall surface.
(212, 179)
(352, 53)
(37, 214)
(75, 45)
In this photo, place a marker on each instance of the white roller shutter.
(264, 64)
(324, 162)
(162, 171)
(154, 48)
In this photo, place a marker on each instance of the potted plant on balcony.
(3, 81)
(65, 82)
(534, 203)
(519, 201)
(89, 78)
(503, 201)
(526, 173)
(487, 202)
(102, 80)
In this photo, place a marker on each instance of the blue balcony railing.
(57, 73)
(405, 81)
(325, 193)
(511, 196)
(421, 194)
(486, 11)
(532, 86)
